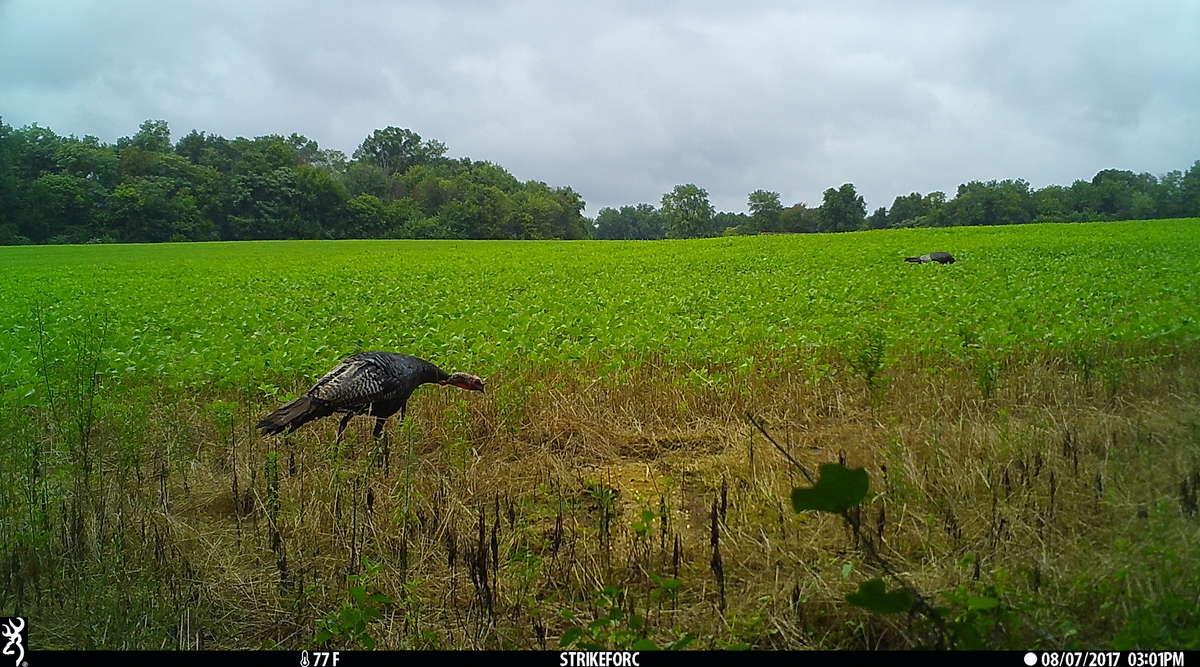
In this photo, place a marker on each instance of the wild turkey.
(939, 257)
(377, 384)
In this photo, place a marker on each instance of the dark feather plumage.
(373, 383)
(939, 257)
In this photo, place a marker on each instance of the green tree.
(800, 219)
(460, 219)
(643, 221)
(365, 217)
(1143, 206)
(842, 209)
(319, 196)
(481, 211)
(65, 189)
(366, 178)
(536, 213)
(307, 150)
(136, 162)
(728, 224)
(153, 136)
(33, 150)
(487, 173)
(1168, 196)
(424, 228)
(430, 193)
(1051, 203)
(906, 208)
(155, 209)
(570, 223)
(264, 205)
(88, 159)
(331, 160)
(61, 208)
(687, 213)
(207, 150)
(496, 218)
(878, 219)
(1085, 201)
(1113, 190)
(401, 216)
(10, 187)
(1189, 191)
(394, 150)
(1004, 202)
(765, 209)
(263, 154)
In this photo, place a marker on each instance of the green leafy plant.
(615, 628)
(350, 624)
(867, 356)
(872, 596)
(644, 522)
(977, 614)
(837, 489)
(665, 588)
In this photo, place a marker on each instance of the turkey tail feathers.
(913, 259)
(293, 414)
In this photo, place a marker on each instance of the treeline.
(144, 188)
(1110, 195)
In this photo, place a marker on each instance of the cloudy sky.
(624, 100)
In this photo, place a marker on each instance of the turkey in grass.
(376, 384)
(939, 257)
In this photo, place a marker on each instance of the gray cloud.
(623, 101)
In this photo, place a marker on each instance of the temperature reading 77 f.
(324, 659)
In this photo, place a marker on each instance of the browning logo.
(12, 633)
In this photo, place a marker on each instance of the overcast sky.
(624, 100)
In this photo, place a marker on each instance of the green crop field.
(1029, 418)
(228, 314)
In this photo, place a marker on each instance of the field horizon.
(1029, 418)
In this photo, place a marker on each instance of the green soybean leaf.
(644, 645)
(872, 595)
(838, 489)
(982, 602)
(570, 636)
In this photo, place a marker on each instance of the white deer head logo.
(12, 632)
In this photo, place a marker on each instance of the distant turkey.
(376, 384)
(939, 257)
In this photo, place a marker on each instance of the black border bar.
(318, 658)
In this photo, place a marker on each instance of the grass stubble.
(493, 521)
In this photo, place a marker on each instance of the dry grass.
(1063, 489)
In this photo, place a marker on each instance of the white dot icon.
(1031, 659)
